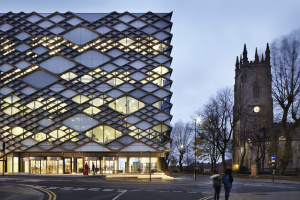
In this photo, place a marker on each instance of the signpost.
(273, 158)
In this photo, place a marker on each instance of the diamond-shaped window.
(126, 41)
(74, 21)
(120, 27)
(5, 27)
(22, 47)
(97, 102)
(80, 35)
(115, 81)
(138, 24)
(103, 29)
(34, 18)
(40, 79)
(11, 110)
(5, 67)
(11, 99)
(34, 105)
(69, 76)
(39, 50)
(80, 122)
(22, 36)
(126, 18)
(57, 29)
(80, 99)
(126, 105)
(22, 64)
(68, 93)
(103, 134)
(92, 58)
(57, 64)
(57, 18)
(45, 24)
(92, 110)
(86, 79)
(5, 90)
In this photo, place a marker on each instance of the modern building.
(82, 88)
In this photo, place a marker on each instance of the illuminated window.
(126, 105)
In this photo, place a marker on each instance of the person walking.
(217, 182)
(86, 169)
(93, 168)
(227, 180)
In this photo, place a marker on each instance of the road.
(95, 187)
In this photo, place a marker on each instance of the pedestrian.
(227, 180)
(86, 167)
(93, 168)
(217, 182)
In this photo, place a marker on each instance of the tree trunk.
(284, 161)
(223, 162)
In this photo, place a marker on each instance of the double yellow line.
(52, 195)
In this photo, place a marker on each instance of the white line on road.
(136, 190)
(94, 189)
(80, 189)
(107, 190)
(119, 195)
(52, 188)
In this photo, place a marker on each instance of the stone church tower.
(253, 109)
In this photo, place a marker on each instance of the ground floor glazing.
(74, 163)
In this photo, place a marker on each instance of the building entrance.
(108, 165)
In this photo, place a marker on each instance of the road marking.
(51, 195)
(119, 195)
(94, 189)
(136, 190)
(107, 190)
(52, 188)
(80, 189)
(177, 191)
(66, 188)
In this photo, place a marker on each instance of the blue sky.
(207, 36)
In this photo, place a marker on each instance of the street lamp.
(196, 120)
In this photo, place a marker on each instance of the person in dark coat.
(93, 168)
(217, 182)
(227, 183)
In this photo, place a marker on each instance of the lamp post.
(196, 120)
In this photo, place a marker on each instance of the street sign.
(273, 158)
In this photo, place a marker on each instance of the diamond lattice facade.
(81, 88)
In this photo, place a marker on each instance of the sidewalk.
(18, 192)
(290, 195)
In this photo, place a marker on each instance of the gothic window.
(255, 90)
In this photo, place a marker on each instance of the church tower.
(253, 109)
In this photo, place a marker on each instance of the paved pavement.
(27, 193)
(18, 192)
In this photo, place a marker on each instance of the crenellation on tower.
(253, 104)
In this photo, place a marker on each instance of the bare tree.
(181, 135)
(217, 123)
(286, 89)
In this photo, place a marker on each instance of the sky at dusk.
(207, 37)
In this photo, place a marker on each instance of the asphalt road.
(92, 188)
